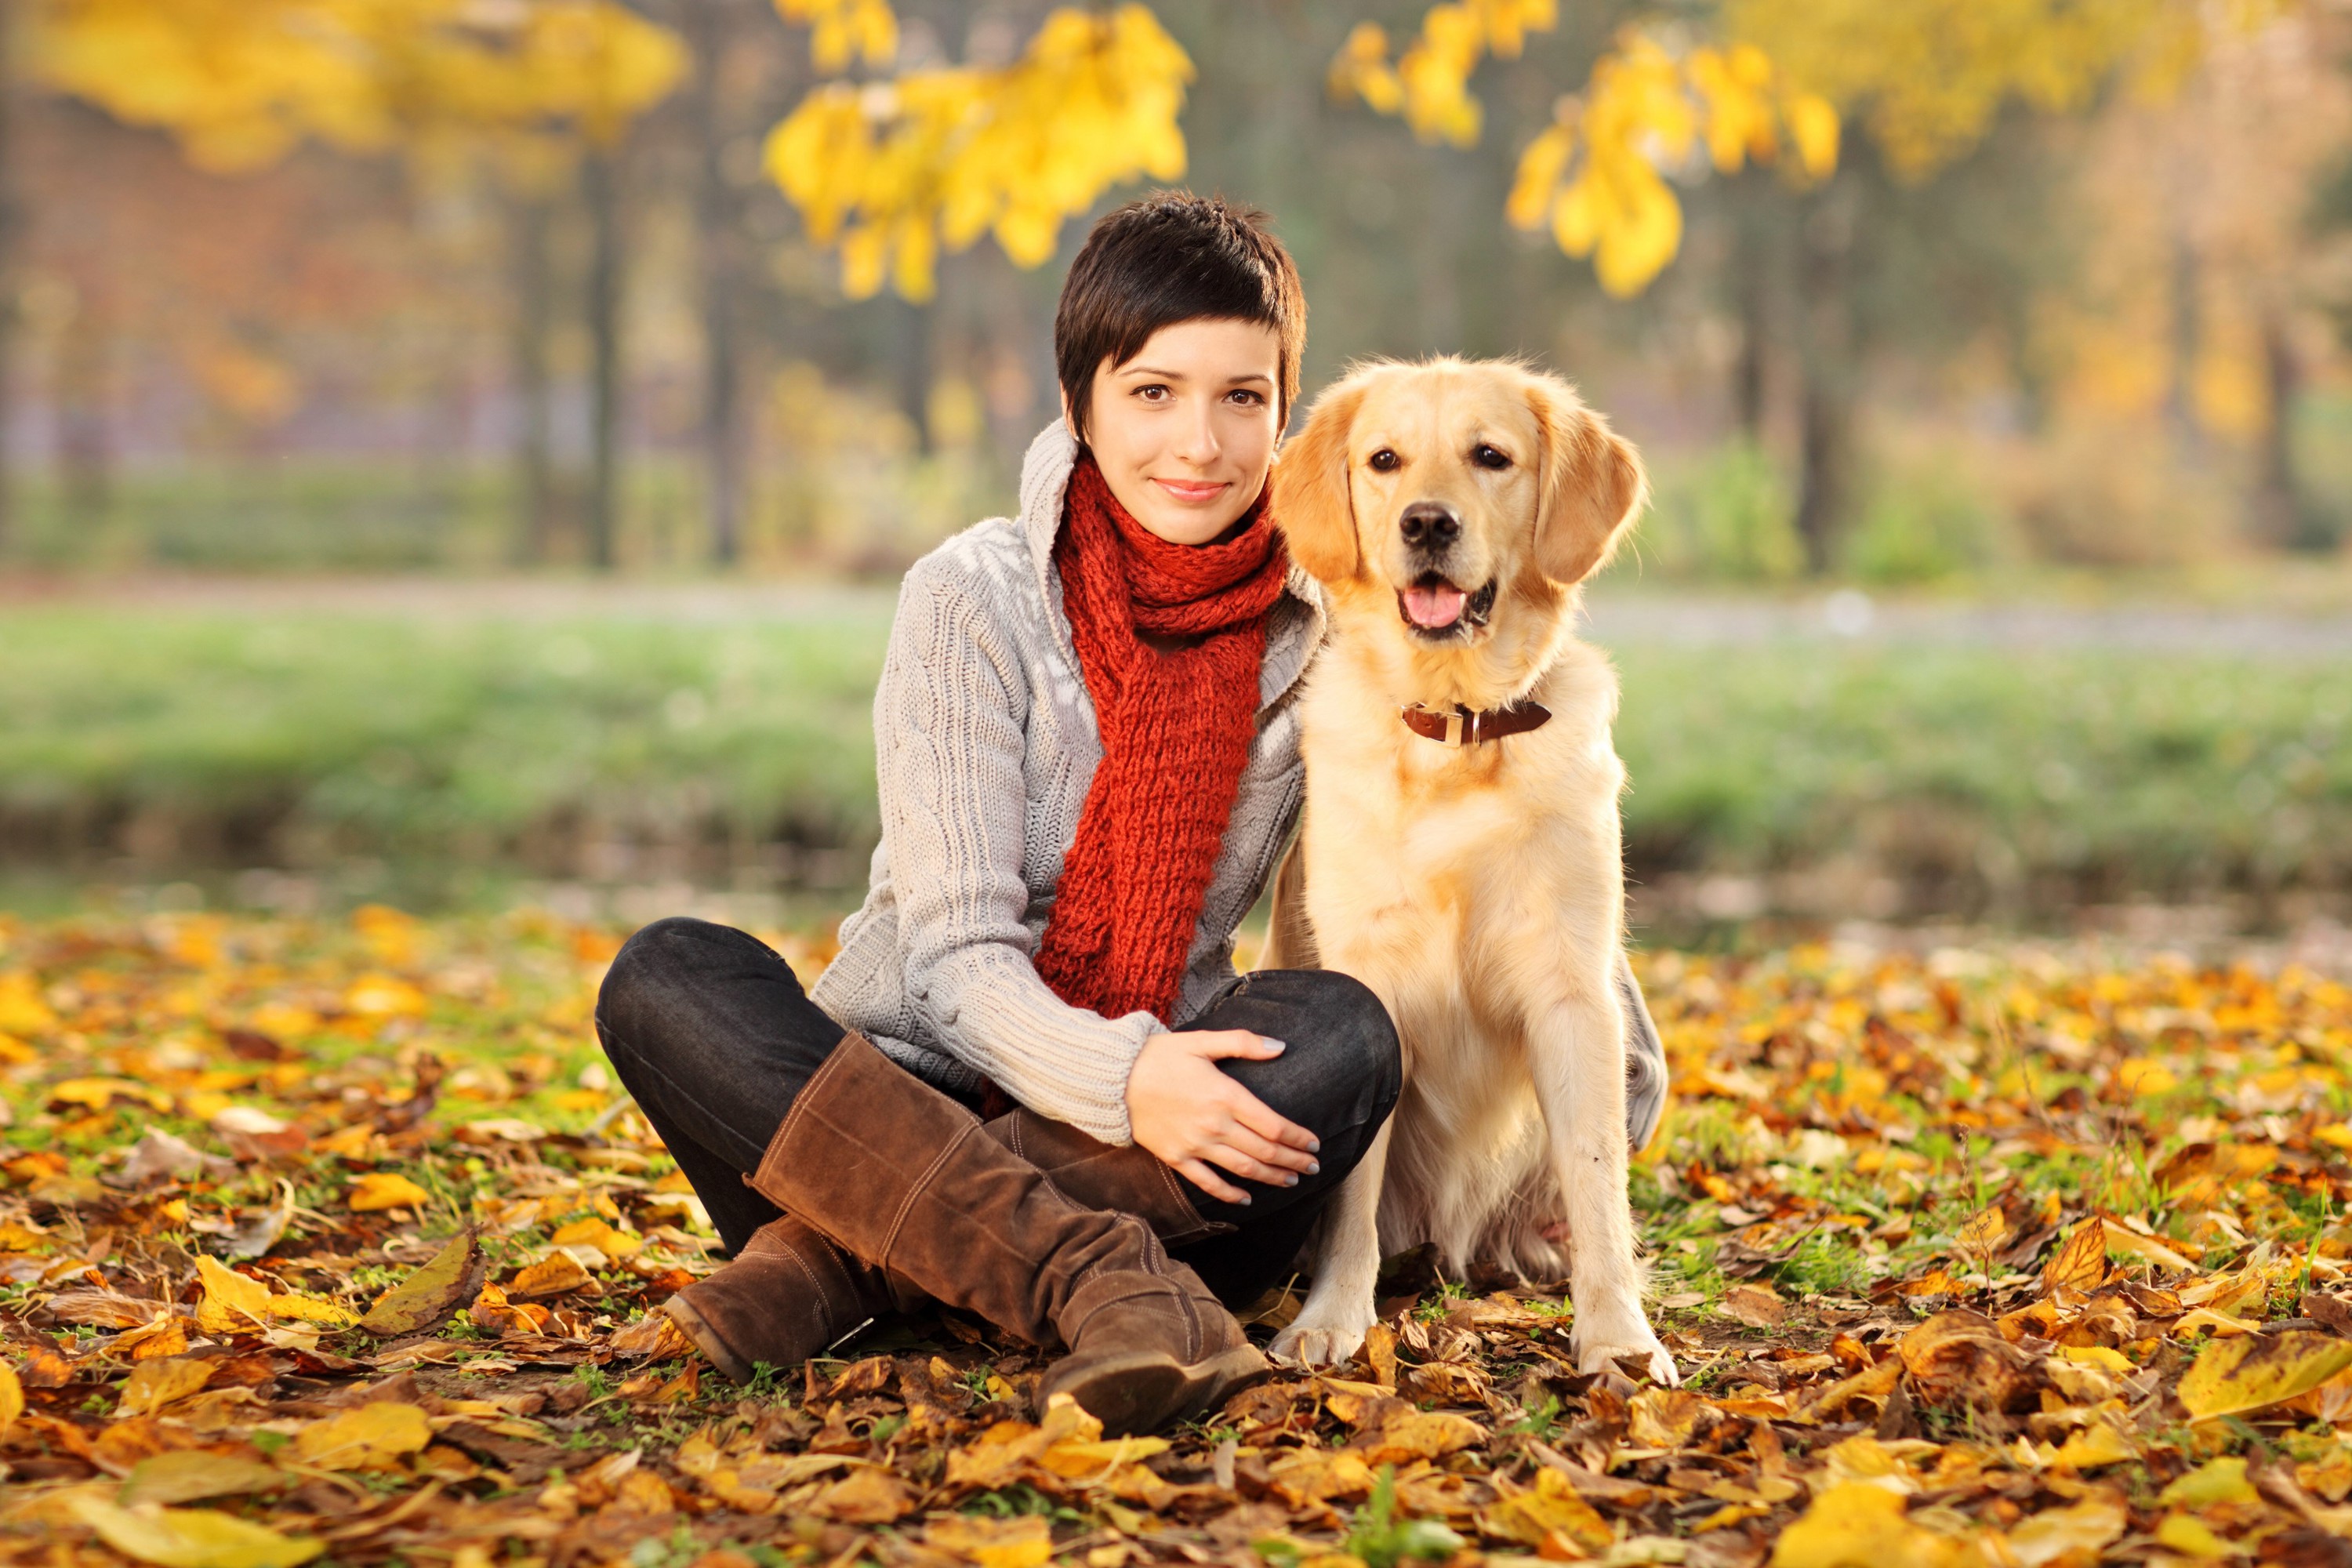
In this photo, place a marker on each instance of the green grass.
(2109, 772)
(195, 737)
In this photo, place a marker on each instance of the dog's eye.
(1385, 461)
(1488, 457)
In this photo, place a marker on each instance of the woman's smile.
(1194, 492)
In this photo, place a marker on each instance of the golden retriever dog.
(1460, 852)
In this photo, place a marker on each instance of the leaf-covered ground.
(337, 1242)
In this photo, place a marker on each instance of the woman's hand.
(1185, 1110)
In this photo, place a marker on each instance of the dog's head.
(1454, 484)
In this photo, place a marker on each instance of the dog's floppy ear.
(1312, 500)
(1591, 486)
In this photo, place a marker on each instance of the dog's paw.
(1637, 1340)
(1322, 1339)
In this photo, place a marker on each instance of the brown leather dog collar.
(1461, 727)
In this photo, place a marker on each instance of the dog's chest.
(1393, 875)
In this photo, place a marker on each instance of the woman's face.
(1184, 431)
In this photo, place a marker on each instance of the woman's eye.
(1152, 394)
(1385, 461)
(1246, 398)
(1490, 458)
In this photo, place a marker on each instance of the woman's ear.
(1591, 488)
(1312, 501)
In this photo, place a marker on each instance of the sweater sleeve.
(948, 723)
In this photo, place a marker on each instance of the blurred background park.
(462, 451)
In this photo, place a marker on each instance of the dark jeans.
(711, 1031)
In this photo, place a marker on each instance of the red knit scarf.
(1176, 733)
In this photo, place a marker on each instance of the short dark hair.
(1174, 257)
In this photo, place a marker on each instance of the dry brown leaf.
(2081, 1263)
(864, 1496)
(1756, 1305)
(431, 1294)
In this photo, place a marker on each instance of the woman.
(1087, 757)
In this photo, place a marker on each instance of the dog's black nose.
(1429, 525)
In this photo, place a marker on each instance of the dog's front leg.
(1579, 1073)
(1339, 1309)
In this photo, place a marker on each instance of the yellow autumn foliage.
(894, 171)
(240, 83)
(1595, 174)
(840, 30)
(1928, 76)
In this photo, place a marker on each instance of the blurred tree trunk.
(85, 438)
(1829, 359)
(533, 320)
(717, 221)
(910, 365)
(2187, 331)
(2289, 517)
(602, 180)
(1753, 290)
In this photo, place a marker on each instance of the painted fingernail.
(1279, 1046)
(1314, 1167)
(1314, 1145)
(1291, 1179)
(1243, 1200)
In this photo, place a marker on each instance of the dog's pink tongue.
(1435, 606)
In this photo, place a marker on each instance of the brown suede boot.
(1101, 1176)
(788, 1295)
(904, 1177)
(791, 1293)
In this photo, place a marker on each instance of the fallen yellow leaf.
(2074, 1534)
(598, 1234)
(1023, 1543)
(155, 1383)
(1856, 1524)
(232, 1303)
(386, 1190)
(2214, 1481)
(2095, 1445)
(2106, 1356)
(2254, 1371)
(373, 1437)
(310, 1310)
(192, 1538)
(1982, 1232)
(2191, 1537)
(552, 1276)
(430, 1294)
(185, 1475)
(1553, 1508)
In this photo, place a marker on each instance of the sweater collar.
(1295, 628)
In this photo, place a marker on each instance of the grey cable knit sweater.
(985, 743)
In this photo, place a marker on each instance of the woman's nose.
(1197, 441)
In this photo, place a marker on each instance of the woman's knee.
(1343, 1062)
(655, 963)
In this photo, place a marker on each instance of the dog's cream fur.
(1478, 892)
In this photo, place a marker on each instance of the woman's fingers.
(1260, 1118)
(1252, 1169)
(1291, 1163)
(1209, 1181)
(1216, 1043)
